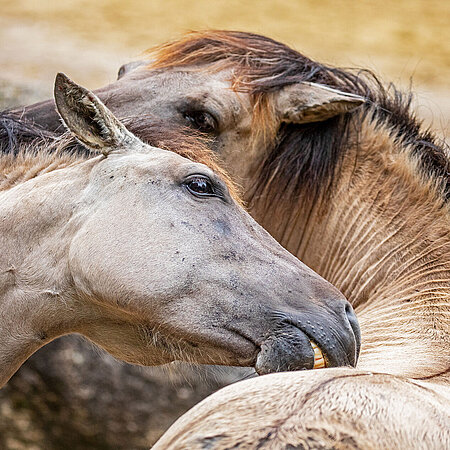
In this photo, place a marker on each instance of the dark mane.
(16, 132)
(17, 135)
(261, 65)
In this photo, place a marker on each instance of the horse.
(150, 256)
(335, 166)
(362, 198)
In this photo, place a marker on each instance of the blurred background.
(403, 41)
(69, 395)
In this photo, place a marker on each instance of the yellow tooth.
(319, 360)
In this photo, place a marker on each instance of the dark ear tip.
(67, 91)
(60, 85)
(63, 84)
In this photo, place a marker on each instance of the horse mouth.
(319, 358)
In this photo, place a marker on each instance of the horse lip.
(317, 344)
(289, 321)
(323, 345)
(257, 346)
(328, 357)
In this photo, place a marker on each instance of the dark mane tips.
(304, 156)
(15, 131)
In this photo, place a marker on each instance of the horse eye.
(201, 120)
(200, 186)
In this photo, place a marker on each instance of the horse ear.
(129, 67)
(88, 119)
(312, 102)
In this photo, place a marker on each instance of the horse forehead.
(192, 81)
(154, 161)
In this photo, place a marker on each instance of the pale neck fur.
(383, 240)
(36, 221)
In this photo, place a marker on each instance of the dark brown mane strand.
(16, 132)
(303, 156)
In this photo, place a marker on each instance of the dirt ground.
(402, 41)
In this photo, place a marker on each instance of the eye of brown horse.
(201, 120)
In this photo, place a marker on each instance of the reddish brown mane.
(263, 64)
(260, 66)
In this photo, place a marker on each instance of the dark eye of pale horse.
(199, 185)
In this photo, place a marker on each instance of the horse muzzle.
(327, 337)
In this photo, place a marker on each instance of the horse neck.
(35, 284)
(382, 239)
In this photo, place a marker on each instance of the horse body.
(263, 116)
(376, 225)
(385, 243)
(122, 249)
(381, 236)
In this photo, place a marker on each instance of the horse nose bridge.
(290, 280)
(300, 280)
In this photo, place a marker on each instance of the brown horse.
(363, 199)
(361, 195)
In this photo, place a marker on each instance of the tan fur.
(382, 234)
(382, 238)
(327, 409)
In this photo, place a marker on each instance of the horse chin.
(285, 351)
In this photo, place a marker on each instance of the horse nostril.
(353, 321)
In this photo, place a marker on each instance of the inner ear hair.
(87, 118)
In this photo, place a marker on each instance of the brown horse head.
(236, 88)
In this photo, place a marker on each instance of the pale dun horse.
(148, 255)
(337, 169)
